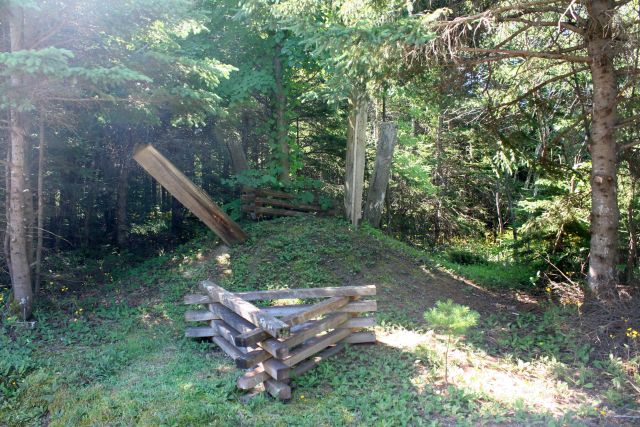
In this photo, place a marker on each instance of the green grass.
(112, 351)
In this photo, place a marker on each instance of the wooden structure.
(187, 193)
(280, 342)
(259, 202)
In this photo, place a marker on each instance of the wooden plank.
(278, 389)
(361, 338)
(200, 332)
(196, 299)
(352, 307)
(338, 291)
(287, 205)
(276, 369)
(230, 349)
(314, 361)
(268, 323)
(252, 378)
(199, 315)
(316, 344)
(225, 331)
(273, 211)
(360, 322)
(232, 319)
(258, 334)
(187, 193)
(252, 358)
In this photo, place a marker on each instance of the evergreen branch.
(508, 53)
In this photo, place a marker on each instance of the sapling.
(452, 319)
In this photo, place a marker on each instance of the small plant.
(452, 319)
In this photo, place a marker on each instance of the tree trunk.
(356, 144)
(280, 106)
(380, 178)
(605, 217)
(122, 224)
(16, 227)
(631, 229)
(40, 224)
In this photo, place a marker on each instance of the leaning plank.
(192, 197)
(200, 332)
(278, 389)
(199, 315)
(361, 338)
(352, 307)
(197, 299)
(231, 350)
(316, 344)
(252, 378)
(314, 361)
(258, 334)
(272, 325)
(338, 291)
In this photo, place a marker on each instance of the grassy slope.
(113, 353)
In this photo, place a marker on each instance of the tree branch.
(627, 146)
(508, 53)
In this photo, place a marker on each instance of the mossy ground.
(109, 349)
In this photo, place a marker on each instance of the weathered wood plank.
(187, 193)
(200, 332)
(196, 299)
(252, 358)
(258, 334)
(273, 211)
(231, 350)
(276, 369)
(361, 338)
(226, 332)
(352, 307)
(278, 389)
(360, 322)
(338, 291)
(316, 344)
(314, 361)
(252, 378)
(199, 315)
(232, 319)
(268, 323)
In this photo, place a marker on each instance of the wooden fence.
(259, 202)
(280, 342)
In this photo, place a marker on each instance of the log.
(276, 369)
(199, 315)
(278, 389)
(316, 344)
(187, 193)
(258, 334)
(196, 299)
(361, 338)
(268, 323)
(200, 332)
(338, 291)
(352, 307)
(252, 378)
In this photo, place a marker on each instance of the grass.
(108, 348)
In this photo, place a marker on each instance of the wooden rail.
(259, 202)
(277, 343)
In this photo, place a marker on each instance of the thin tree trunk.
(40, 224)
(605, 216)
(122, 225)
(356, 144)
(380, 179)
(280, 108)
(18, 250)
(631, 229)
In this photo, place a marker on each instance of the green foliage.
(451, 318)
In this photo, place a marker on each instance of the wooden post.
(382, 168)
(356, 145)
(192, 197)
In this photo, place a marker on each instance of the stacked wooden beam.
(259, 202)
(277, 343)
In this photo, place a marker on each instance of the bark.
(605, 217)
(631, 229)
(122, 224)
(16, 227)
(40, 214)
(381, 170)
(356, 144)
(280, 105)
